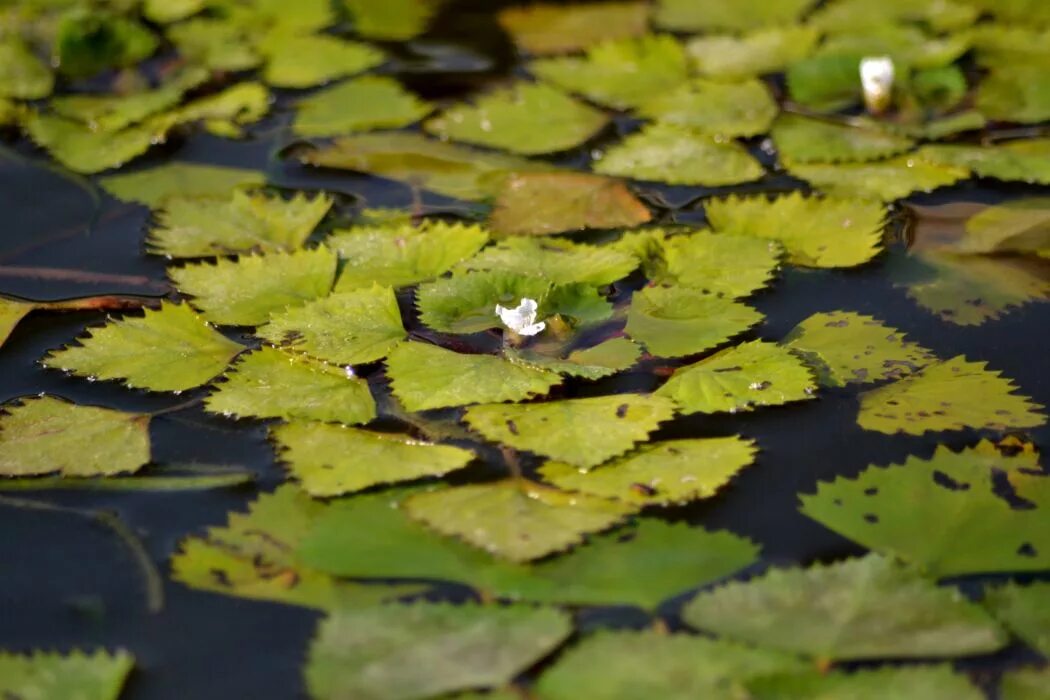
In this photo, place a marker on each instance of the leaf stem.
(130, 483)
(81, 276)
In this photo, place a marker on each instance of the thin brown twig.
(81, 276)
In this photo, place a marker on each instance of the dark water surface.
(67, 581)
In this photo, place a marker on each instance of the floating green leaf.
(602, 360)
(167, 11)
(626, 665)
(856, 609)
(445, 168)
(218, 44)
(949, 395)
(349, 328)
(1025, 610)
(583, 432)
(391, 19)
(560, 261)
(304, 60)
(815, 231)
(84, 150)
(245, 291)
(677, 321)
(224, 113)
(755, 53)
(362, 104)
(730, 109)
(170, 349)
(926, 682)
(619, 74)
(428, 649)
(155, 186)
(545, 203)
(1019, 93)
(940, 15)
(679, 156)
(908, 46)
(270, 383)
(401, 254)
(194, 227)
(23, 76)
(465, 303)
(1026, 160)
(426, 376)
(527, 118)
(845, 347)
(707, 15)
(740, 378)
(89, 40)
(331, 460)
(255, 557)
(44, 435)
(544, 28)
(1025, 684)
(826, 82)
(976, 531)
(884, 180)
(659, 473)
(99, 675)
(734, 266)
(808, 140)
(515, 519)
(11, 312)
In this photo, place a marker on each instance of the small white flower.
(521, 320)
(876, 78)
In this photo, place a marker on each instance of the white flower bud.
(876, 78)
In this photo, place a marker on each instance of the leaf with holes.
(271, 383)
(348, 328)
(155, 186)
(815, 231)
(926, 682)
(730, 109)
(558, 260)
(679, 156)
(884, 180)
(425, 376)
(169, 349)
(621, 74)
(540, 204)
(362, 104)
(843, 347)
(400, 254)
(195, 227)
(245, 291)
(707, 15)
(602, 360)
(734, 266)
(659, 473)
(544, 28)
(255, 557)
(527, 118)
(977, 529)
(740, 378)
(949, 395)
(44, 435)
(515, 519)
(583, 432)
(1025, 610)
(332, 460)
(424, 650)
(99, 675)
(863, 608)
(677, 321)
(807, 140)
(731, 57)
(304, 60)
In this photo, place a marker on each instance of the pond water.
(68, 581)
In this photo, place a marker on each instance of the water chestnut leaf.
(1025, 160)
(940, 15)
(224, 113)
(425, 376)
(679, 156)
(951, 395)
(544, 203)
(331, 460)
(884, 180)
(558, 260)
(168, 349)
(11, 312)
(218, 44)
(827, 82)
(23, 76)
(44, 435)
(1024, 684)
(743, 108)
(815, 231)
(362, 104)
(707, 15)
(863, 608)
(678, 321)
(84, 150)
(808, 140)
(1019, 93)
(99, 675)
(888, 509)
(153, 187)
(194, 227)
(526, 118)
(843, 347)
(731, 57)
(391, 20)
(271, 383)
(621, 74)
(465, 303)
(305, 60)
(423, 650)
(168, 11)
(627, 664)
(514, 519)
(583, 432)
(246, 290)
(659, 473)
(543, 29)
(602, 360)
(348, 328)
(926, 682)
(1025, 610)
(89, 40)
(734, 266)
(740, 378)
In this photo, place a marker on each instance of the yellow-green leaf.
(155, 186)
(545, 28)
(808, 140)
(99, 675)
(362, 104)
(734, 266)
(884, 180)
(304, 60)
(730, 109)
(558, 260)
(678, 321)
(731, 57)
(739, 15)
